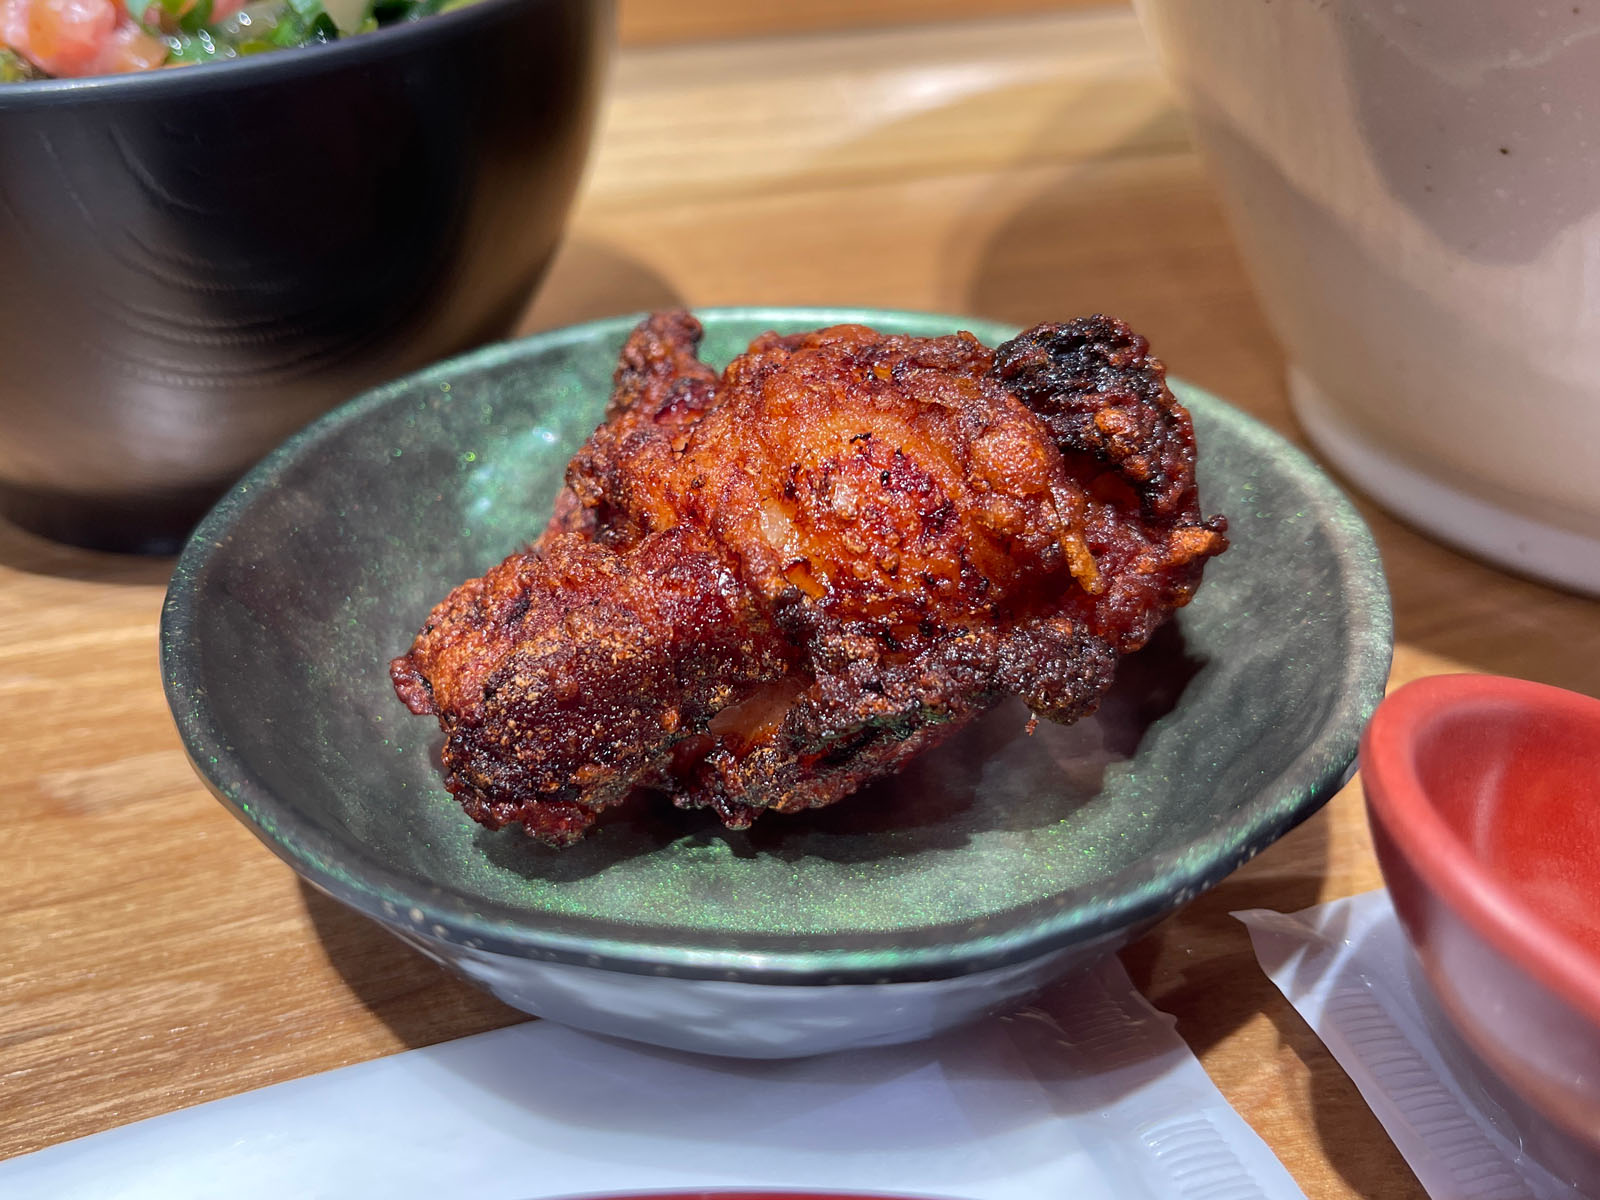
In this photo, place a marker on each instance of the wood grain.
(155, 955)
(642, 22)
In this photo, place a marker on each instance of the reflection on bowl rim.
(1439, 856)
(1169, 878)
(270, 69)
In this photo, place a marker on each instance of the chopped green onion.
(197, 18)
(16, 69)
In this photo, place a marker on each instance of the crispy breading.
(761, 591)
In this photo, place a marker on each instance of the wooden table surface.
(1025, 167)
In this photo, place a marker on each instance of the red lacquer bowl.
(747, 1196)
(1484, 798)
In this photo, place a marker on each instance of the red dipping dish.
(746, 1196)
(1484, 799)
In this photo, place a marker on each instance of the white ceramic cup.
(1415, 185)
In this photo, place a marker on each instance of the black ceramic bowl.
(985, 869)
(194, 262)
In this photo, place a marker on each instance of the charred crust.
(1099, 391)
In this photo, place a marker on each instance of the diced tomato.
(13, 23)
(78, 37)
(130, 48)
(67, 37)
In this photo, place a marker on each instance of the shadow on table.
(32, 555)
(1480, 616)
(1353, 1140)
(590, 279)
(419, 1001)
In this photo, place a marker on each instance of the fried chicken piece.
(763, 590)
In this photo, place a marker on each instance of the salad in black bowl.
(195, 262)
(45, 39)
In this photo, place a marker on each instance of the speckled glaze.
(991, 866)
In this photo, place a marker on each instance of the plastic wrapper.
(1347, 968)
(1088, 1095)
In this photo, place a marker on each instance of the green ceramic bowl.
(991, 866)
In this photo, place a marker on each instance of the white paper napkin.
(1089, 1095)
(1347, 968)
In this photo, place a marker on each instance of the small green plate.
(1236, 723)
